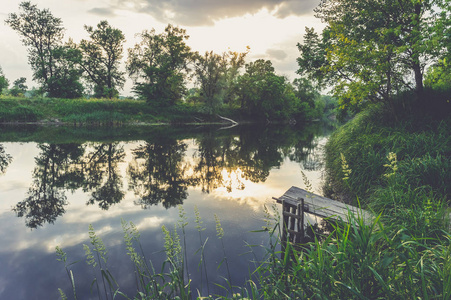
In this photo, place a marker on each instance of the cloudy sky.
(271, 28)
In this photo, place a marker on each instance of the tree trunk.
(418, 78)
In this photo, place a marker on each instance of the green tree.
(65, 81)
(210, 70)
(101, 59)
(307, 106)
(216, 76)
(263, 93)
(42, 33)
(4, 82)
(158, 65)
(19, 87)
(305, 91)
(370, 50)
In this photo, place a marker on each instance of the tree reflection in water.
(157, 173)
(5, 159)
(160, 170)
(52, 175)
(101, 175)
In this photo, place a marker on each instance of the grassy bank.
(103, 111)
(401, 168)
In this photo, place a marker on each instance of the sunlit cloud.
(151, 222)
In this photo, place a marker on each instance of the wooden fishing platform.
(296, 201)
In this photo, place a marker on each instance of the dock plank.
(322, 206)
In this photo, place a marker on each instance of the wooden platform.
(320, 206)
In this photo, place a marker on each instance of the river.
(56, 181)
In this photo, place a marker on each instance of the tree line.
(160, 65)
(369, 52)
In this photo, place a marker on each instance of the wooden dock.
(296, 202)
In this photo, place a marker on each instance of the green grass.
(105, 111)
(422, 151)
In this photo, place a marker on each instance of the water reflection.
(101, 175)
(5, 159)
(160, 168)
(157, 174)
(52, 176)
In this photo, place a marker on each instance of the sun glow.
(259, 31)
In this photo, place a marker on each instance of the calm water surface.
(55, 182)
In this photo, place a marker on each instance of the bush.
(19, 113)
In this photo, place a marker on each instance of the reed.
(357, 260)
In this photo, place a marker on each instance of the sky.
(271, 28)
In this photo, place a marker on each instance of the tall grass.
(422, 151)
(356, 260)
(103, 111)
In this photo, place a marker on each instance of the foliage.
(263, 93)
(309, 105)
(101, 56)
(42, 33)
(158, 65)
(19, 87)
(65, 82)
(367, 51)
(3, 81)
(438, 77)
(216, 76)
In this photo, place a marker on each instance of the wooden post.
(284, 228)
(292, 218)
(302, 221)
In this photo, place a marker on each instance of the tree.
(42, 33)
(438, 76)
(307, 104)
(216, 75)
(19, 87)
(370, 50)
(263, 93)
(305, 91)
(210, 72)
(65, 81)
(101, 59)
(158, 65)
(3, 81)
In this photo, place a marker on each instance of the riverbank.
(52, 111)
(400, 169)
